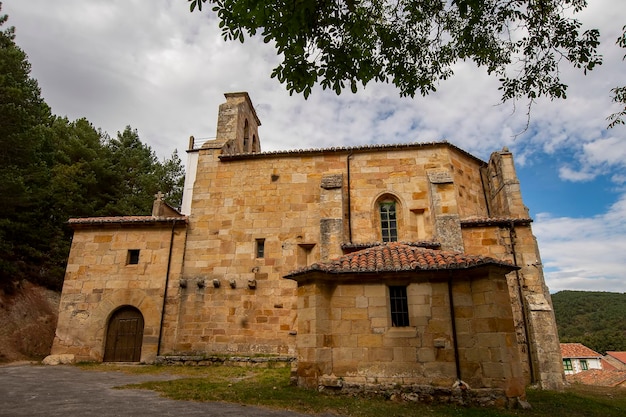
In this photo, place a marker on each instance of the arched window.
(388, 220)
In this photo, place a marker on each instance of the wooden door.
(124, 336)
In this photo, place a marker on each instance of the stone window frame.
(259, 249)
(132, 257)
(399, 306)
(388, 224)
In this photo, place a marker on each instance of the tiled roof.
(620, 356)
(577, 350)
(396, 257)
(599, 377)
(363, 148)
(351, 247)
(123, 220)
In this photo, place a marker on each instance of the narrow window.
(246, 136)
(567, 365)
(260, 248)
(388, 221)
(132, 257)
(255, 144)
(583, 364)
(399, 306)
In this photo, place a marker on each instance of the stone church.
(408, 264)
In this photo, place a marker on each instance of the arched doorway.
(124, 336)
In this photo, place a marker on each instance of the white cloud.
(584, 253)
(610, 150)
(599, 157)
(568, 174)
(163, 70)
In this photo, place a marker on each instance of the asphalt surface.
(68, 391)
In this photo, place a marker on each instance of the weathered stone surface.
(302, 208)
(63, 359)
(332, 181)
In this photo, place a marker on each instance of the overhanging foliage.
(414, 44)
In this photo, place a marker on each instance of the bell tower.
(238, 125)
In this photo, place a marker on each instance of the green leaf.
(415, 44)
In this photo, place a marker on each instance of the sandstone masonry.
(210, 280)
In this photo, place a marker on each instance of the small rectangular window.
(399, 306)
(133, 257)
(583, 364)
(567, 365)
(260, 248)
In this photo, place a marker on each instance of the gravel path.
(68, 391)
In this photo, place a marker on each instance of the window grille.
(399, 306)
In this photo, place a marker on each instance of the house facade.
(616, 359)
(246, 266)
(578, 357)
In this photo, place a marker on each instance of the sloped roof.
(353, 247)
(123, 221)
(599, 377)
(396, 257)
(577, 350)
(343, 149)
(620, 356)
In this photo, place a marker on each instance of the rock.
(524, 405)
(64, 359)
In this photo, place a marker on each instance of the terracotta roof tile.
(395, 257)
(620, 356)
(599, 377)
(122, 220)
(351, 247)
(360, 148)
(577, 350)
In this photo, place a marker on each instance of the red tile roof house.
(616, 359)
(600, 378)
(578, 357)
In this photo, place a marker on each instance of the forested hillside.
(595, 319)
(52, 169)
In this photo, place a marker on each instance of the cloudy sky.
(154, 66)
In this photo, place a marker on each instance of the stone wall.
(302, 207)
(255, 217)
(346, 336)
(512, 239)
(99, 280)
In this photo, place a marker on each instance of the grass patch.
(270, 388)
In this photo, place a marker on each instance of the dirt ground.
(28, 319)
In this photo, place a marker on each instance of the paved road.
(67, 391)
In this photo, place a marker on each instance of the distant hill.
(595, 319)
